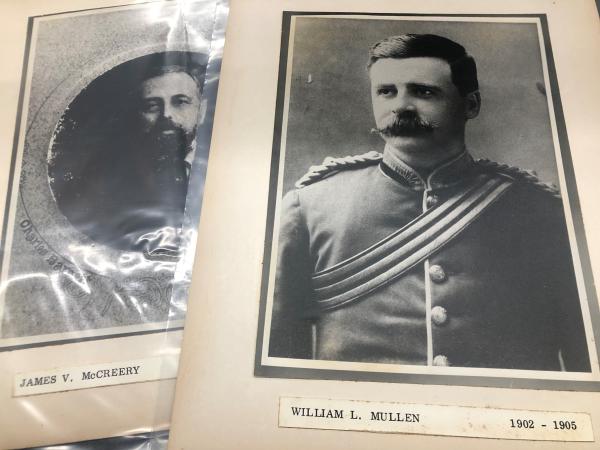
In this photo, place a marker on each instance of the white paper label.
(107, 374)
(434, 419)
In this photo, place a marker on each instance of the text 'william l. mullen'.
(381, 416)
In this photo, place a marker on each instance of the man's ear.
(472, 104)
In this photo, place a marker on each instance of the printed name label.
(434, 419)
(107, 374)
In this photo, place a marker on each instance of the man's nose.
(168, 111)
(403, 102)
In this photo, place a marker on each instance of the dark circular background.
(103, 180)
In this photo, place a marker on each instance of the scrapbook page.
(412, 220)
(114, 107)
(465, 258)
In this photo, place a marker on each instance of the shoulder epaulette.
(526, 176)
(331, 165)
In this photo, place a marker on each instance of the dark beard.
(167, 152)
(156, 179)
(407, 124)
(164, 157)
(178, 140)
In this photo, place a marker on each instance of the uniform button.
(441, 360)
(439, 315)
(436, 273)
(432, 200)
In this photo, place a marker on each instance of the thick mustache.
(168, 133)
(406, 123)
(168, 125)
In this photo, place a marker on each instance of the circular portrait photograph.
(120, 158)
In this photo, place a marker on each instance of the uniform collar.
(189, 157)
(446, 174)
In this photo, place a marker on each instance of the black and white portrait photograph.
(110, 159)
(423, 213)
(120, 162)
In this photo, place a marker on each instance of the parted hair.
(175, 68)
(462, 65)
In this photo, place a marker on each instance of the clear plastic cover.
(145, 441)
(105, 188)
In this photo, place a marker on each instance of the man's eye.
(151, 107)
(182, 101)
(424, 92)
(386, 91)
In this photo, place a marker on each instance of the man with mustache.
(155, 160)
(421, 255)
(170, 102)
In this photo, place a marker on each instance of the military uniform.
(470, 267)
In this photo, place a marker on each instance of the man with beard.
(152, 163)
(421, 255)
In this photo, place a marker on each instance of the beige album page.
(98, 228)
(294, 91)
